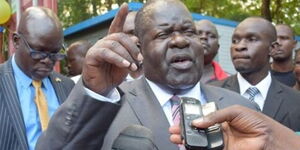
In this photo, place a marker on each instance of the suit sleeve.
(81, 122)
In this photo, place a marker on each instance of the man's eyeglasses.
(42, 55)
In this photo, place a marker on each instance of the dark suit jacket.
(282, 103)
(139, 106)
(12, 127)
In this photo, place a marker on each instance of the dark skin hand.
(108, 62)
(245, 129)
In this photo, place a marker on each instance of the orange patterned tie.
(41, 104)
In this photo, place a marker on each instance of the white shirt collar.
(163, 96)
(263, 86)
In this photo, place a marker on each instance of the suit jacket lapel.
(11, 98)
(57, 85)
(150, 113)
(232, 84)
(211, 95)
(273, 100)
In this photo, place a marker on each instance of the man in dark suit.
(38, 42)
(173, 62)
(252, 42)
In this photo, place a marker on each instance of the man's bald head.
(80, 47)
(40, 21)
(262, 25)
(204, 22)
(287, 28)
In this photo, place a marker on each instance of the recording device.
(134, 137)
(214, 133)
(194, 138)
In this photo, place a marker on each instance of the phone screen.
(192, 109)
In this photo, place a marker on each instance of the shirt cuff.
(112, 97)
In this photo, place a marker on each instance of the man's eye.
(190, 32)
(162, 35)
(212, 36)
(235, 41)
(252, 39)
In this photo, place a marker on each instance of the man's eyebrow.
(187, 21)
(164, 24)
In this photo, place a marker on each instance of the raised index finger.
(119, 20)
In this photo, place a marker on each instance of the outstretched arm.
(82, 121)
(245, 129)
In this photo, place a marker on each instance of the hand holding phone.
(194, 138)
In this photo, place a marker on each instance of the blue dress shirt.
(26, 94)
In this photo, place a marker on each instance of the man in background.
(75, 56)
(128, 28)
(209, 38)
(297, 69)
(31, 90)
(282, 65)
(252, 42)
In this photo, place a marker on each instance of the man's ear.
(16, 40)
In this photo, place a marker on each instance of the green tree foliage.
(279, 11)
(71, 12)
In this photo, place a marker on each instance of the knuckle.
(103, 52)
(115, 44)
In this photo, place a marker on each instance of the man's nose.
(48, 61)
(279, 42)
(240, 46)
(178, 40)
(203, 37)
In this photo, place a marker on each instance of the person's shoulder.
(229, 97)
(126, 86)
(220, 90)
(288, 91)
(61, 78)
(1, 67)
(221, 83)
(6, 66)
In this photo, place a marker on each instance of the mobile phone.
(214, 133)
(193, 138)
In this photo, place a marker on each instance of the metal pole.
(18, 11)
(34, 2)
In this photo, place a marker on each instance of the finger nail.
(133, 67)
(126, 63)
(140, 57)
(199, 120)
